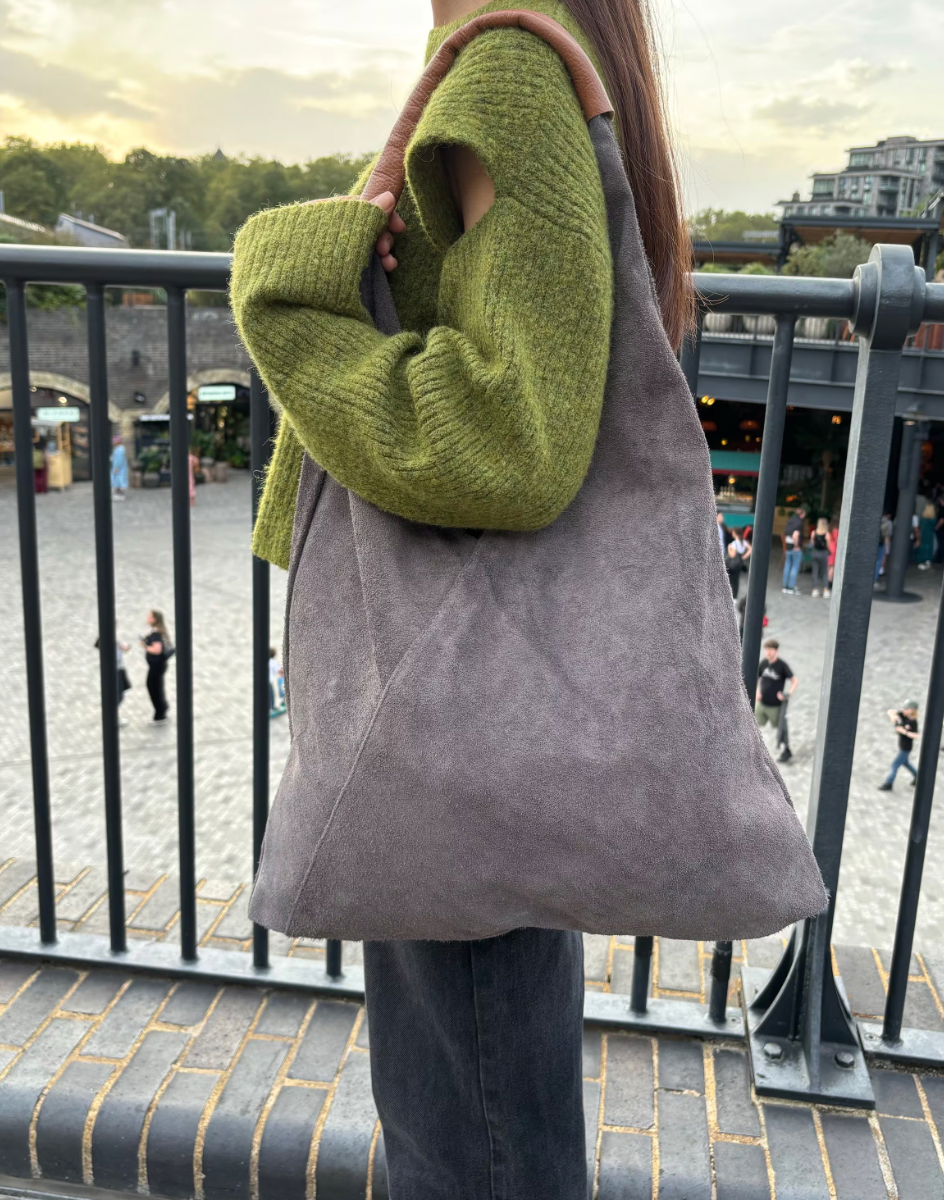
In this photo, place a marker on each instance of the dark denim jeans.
(476, 1061)
(901, 759)
(791, 567)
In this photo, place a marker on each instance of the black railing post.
(183, 611)
(917, 840)
(803, 1041)
(766, 502)
(105, 577)
(720, 981)
(642, 969)
(261, 443)
(333, 958)
(32, 618)
(909, 463)
(691, 353)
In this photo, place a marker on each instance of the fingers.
(386, 200)
(388, 262)
(385, 243)
(397, 224)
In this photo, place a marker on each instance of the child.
(772, 696)
(905, 721)
(276, 685)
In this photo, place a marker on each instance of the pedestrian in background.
(885, 531)
(39, 465)
(833, 541)
(124, 683)
(819, 555)
(905, 721)
(119, 470)
(925, 550)
(738, 555)
(193, 465)
(724, 535)
(158, 650)
(276, 685)
(772, 696)
(793, 551)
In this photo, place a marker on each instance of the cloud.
(862, 74)
(61, 91)
(799, 114)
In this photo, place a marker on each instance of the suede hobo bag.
(531, 729)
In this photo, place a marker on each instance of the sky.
(760, 92)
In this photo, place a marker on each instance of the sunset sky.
(761, 92)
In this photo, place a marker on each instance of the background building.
(888, 179)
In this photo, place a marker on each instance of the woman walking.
(158, 650)
(819, 556)
(119, 470)
(433, 429)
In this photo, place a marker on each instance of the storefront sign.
(216, 393)
(54, 416)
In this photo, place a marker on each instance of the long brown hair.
(159, 624)
(621, 35)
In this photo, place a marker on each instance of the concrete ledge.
(113, 1083)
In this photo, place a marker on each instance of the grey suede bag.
(531, 729)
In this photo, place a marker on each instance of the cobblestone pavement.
(190, 1089)
(897, 664)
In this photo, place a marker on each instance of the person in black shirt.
(770, 706)
(905, 721)
(158, 651)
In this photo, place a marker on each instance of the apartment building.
(888, 179)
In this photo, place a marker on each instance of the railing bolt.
(773, 1051)
(845, 1059)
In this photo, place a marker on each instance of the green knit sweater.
(484, 411)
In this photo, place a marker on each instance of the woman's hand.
(388, 202)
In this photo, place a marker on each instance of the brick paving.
(192, 1090)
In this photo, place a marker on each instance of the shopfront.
(63, 423)
(220, 430)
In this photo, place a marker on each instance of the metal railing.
(802, 1038)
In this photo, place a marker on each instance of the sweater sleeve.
(488, 419)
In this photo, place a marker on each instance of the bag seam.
(394, 675)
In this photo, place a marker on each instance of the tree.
(211, 195)
(32, 184)
(719, 225)
(835, 257)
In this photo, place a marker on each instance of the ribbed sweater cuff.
(309, 254)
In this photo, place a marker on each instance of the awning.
(734, 462)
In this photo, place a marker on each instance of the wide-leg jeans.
(476, 1062)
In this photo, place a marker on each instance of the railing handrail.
(797, 295)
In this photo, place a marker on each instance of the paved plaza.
(897, 665)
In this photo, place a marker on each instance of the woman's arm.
(489, 418)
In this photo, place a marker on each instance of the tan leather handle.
(388, 174)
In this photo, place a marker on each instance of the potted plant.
(202, 444)
(150, 467)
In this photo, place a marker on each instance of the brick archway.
(212, 375)
(56, 383)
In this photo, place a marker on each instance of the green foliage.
(203, 443)
(757, 268)
(211, 196)
(835, 257)
(152, 460)
(713, 268)
(719, 225)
